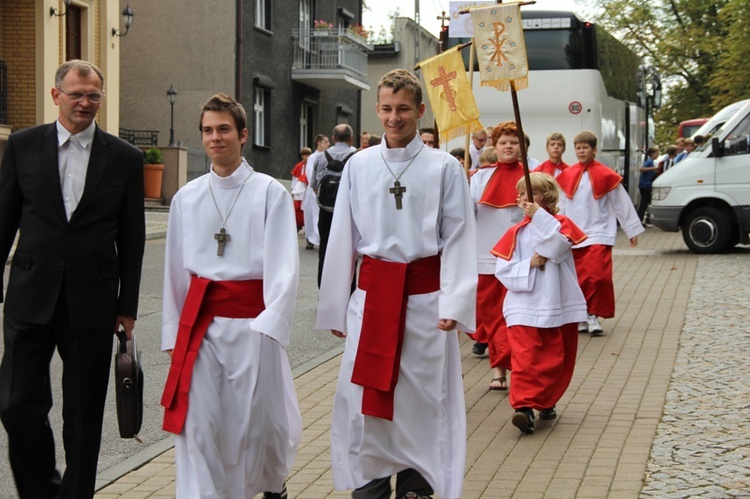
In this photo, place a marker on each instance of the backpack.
(328, 187)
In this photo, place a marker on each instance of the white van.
(708, 193)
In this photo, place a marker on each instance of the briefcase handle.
(123, 340)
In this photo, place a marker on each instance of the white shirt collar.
(85, 138)
(402, 153)
(236, 178)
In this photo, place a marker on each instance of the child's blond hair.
(585, 137)
(547, 185)
(487, 157)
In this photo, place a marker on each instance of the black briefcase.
(128, 387)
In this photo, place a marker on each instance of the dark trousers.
(26, 399)
(408, 480)
(324, 229)
(645, 201)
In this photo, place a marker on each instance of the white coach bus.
(580, 78)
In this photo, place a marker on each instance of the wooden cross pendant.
(221, 238)
(398, 192)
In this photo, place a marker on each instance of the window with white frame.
(263, 14)
(261, 116)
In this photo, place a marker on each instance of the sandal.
(500, 383)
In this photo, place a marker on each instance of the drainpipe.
(238, 52)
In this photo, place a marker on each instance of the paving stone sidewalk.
(601, 443)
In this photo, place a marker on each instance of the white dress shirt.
(73, 153)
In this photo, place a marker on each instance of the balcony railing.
(3, 93)
(140, 137)
(330, 50)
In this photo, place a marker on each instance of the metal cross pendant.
(398, 192)
(221, 238)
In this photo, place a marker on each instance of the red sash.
(205, 300)
(388, 286)
(507, 244)
(500, 191)
(603, 180)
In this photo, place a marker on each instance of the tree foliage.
(698, 46)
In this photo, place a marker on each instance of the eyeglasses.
(94, 97)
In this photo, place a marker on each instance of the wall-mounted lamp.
(127, 20)
(54, 12)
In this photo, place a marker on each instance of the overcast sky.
(377, 14)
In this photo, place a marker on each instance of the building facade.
(411, 43)
(297, 66)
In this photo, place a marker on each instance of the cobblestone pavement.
(702, 445)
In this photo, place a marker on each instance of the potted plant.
(153, 171)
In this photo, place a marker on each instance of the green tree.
(698, 46)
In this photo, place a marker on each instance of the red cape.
(603, 179)
(507, 244)
(549, 167)
(500, 191)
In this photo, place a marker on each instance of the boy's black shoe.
(523, 419)
(276, 495)
(547, 414)
(479, 348)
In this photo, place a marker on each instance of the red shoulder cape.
(549, 167)
(500, 191)
(507, 244)
(603, 179)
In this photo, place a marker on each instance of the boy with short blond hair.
(541, 309)
(555, 149)
(596, 201)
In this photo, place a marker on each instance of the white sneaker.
(583, 327)
(595, 328)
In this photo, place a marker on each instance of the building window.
(73, 33)
(307, 111)
(263, 14)
(262, 117)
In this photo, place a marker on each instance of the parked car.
(707, 194)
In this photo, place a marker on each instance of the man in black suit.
(75, 193)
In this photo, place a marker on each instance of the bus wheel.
(706, 230)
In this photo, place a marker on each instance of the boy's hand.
(528, 208)
(633, 241)
(537, 260)
(447, 324)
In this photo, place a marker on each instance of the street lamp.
(171, 95)
(649, 93)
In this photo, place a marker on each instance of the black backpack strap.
(348, 156)
(328, 156)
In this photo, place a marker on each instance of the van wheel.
(706, 230)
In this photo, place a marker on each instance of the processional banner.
(500, 46)
(450, 95)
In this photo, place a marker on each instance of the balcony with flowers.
(328, 57)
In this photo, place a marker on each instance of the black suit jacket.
(97, 255)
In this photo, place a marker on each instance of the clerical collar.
(401, 153)
(236, 178)
(84, 138)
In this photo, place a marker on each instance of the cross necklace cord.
(398, 190)
(222, 237)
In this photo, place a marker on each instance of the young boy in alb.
(494, 195)
(399, 405)
(555, 149)
(596, 202)
(543, 304)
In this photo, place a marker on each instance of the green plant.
(152, 156)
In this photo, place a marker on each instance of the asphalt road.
(306, 344)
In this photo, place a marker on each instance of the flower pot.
(152, 177)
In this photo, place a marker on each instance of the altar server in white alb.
(230, 284)
(399, 404)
